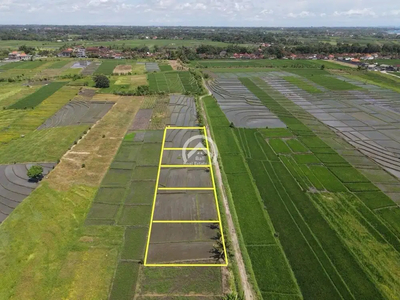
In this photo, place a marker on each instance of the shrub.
(35, 172)
(101, 81)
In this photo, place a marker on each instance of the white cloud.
(303, 14)
(267, 12)
(202, 12)
(356, 13)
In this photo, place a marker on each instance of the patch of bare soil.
(122, 69)
(177, 65)
(88, 161)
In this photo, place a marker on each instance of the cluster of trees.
(326, 48)
(235, 35)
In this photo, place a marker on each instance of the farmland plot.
(15, 185)
(368, 120)
(241, 107)
(37, 97)
(296, 172)
(78, 113)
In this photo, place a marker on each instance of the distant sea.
(395, 31)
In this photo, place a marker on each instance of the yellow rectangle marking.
(186, 265)
(186, 188)
(183, 128)
(213, 188)
(185, 166)
(186, 221)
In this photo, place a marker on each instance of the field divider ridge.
(215, 196)
(155, 196)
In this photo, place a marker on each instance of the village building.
(19, 55)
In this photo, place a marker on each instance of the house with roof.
(80, 51)
(66, 52)
(19, 55)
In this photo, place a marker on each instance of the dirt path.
(247, 288)
(176, 65)
(345, 64)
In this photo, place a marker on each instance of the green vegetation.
(165, 68)
(330, 83)
(46, 145)
(37, 97)
(173, 82)
(254, 226)
(59, 64)
(35, 172)
(101, 81)
(25, 65)
(107, 66)
(294, 211)
(265, 63)
(301, 83)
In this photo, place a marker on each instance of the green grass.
(376, 78)
(41, 247)
(302, 84)
(333, 83)
(279, 146)
(254, 227)
(306, 159)
(135, 215)
(12, 92)
(117, 177)
(270, 259)
(361, 187)
(348, 174)
(47, 145)
(296, 146)
(25, 65)
(129, 136)
(59, 64)
(38, 97)
(173, 82)
(134, 243)
(327, 179)
(264, 63)
(124, 281)
(182, 280)
(164, 68)
(375, 199)
(276, 132)
(107, 66)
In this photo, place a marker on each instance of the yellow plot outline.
(213, 188)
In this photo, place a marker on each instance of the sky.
(268, 13)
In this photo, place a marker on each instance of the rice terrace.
(144, 178)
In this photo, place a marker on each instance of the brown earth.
(122, 69)
(95, 151)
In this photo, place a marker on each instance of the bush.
(101, 81)
(35, 172)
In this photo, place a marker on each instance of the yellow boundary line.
(185, 166)
(183, 128)
(155, 196)
(213, 188)
(186, 189)
(186, 265)
(186, 221)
